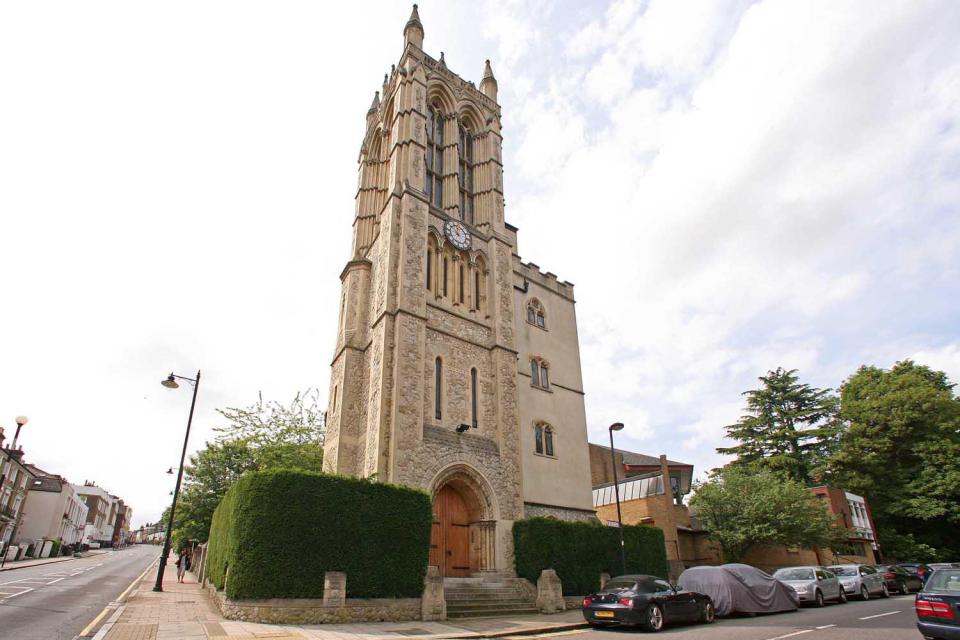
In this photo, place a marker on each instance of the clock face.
(457, 234)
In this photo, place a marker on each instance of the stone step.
(489, 606)
(479, 594)
(492, 613)
(488, 599)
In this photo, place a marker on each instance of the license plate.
(603, 614)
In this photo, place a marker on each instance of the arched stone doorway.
(463, 536)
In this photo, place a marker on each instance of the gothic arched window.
(539, 373)
(465, 147)
(434, 157)
(543, 439)
(535, 314)
(445, 275)
(430, 257)
(479, 282)
(437, 390)
(473, 396)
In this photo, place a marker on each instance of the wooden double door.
(450, 535)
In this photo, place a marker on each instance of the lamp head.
(22, 420)
(170, 382)
(616, 426)
(170, 471)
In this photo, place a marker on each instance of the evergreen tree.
(787, 427)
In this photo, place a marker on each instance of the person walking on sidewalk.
(182, 564)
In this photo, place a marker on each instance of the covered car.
(740, 588)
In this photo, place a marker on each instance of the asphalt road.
(876, 619)
(56, 601)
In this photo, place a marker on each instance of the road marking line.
(879, 615)
(54, 581)
(826, 626)
(790, 635)
(16, 594)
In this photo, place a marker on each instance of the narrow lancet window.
(473, 396)
(429, 269)
(434, 157)
(437, 391)
(465, 176)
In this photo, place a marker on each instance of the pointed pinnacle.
(376, 101)
(414, 19)
(488, 71)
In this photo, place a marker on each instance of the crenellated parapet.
(525, 273)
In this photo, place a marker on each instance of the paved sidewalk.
(184, 612)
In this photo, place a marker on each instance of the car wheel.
(707, 613)
(654, 618)
(818, 598)
(884, 592)
(864, 592)
(842, 598)
(902, 588)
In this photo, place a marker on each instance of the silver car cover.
(739, 588)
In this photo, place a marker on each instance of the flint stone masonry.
(383, 410)
(315, 611)
(550, 592)
(570, 515)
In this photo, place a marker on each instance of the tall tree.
(787, 426)
(901, 448)
(265, 435)
(743, 507)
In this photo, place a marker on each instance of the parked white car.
(861, 580)
(815, 585)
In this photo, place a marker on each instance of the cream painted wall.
(563, 480)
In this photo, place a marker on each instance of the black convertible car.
(647, 601)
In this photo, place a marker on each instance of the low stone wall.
(573, 602)
(314, 611)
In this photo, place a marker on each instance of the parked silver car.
(812, 584)
(860, 580)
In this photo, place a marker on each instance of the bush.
(55, 549)
(279, 531)
(581, 551)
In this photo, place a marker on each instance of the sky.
(732, 186)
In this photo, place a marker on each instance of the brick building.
(647, 498)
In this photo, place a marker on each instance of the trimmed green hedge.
(279, 531)
(581, 551)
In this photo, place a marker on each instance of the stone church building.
(457, 365)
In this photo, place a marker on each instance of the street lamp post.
(617, 426)
(21, 420)
(171, 383)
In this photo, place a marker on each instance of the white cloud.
(763, 181)
(732, 186)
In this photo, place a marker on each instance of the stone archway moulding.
(464, 476)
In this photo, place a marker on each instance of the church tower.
(425, 385)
